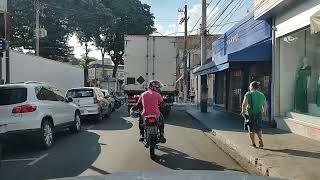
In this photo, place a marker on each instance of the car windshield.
(80, 93)
(13, 95)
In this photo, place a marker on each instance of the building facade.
(193, 62)
(106, 82)
(241, 55)
(296, 63)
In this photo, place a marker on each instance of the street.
(112, 146)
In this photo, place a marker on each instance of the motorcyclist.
(150, 101)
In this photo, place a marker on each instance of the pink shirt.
(150, 101)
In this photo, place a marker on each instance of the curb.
(259, 164)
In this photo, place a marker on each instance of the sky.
(167, 18)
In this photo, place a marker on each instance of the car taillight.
(95, 100)
(152, 120)
(165, 97)
(24, 109)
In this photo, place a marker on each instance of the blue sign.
(218, 47)
(249, 33)
(246, 33)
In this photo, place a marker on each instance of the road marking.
(14, 160)
(38, 159)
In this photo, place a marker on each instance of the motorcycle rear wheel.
(153, 143)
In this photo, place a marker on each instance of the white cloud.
(193, 24)
(79, 50)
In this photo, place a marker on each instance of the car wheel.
(47, 133)
(76, 127)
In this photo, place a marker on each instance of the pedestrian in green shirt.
(253, 105)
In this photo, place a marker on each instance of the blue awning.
(260, 52)
(210, 68)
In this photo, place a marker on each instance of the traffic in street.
(112, 146)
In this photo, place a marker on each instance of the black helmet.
(155, 85)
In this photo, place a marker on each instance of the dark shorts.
(255, 123)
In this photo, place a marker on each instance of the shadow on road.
(294, 152)
(70, 156)
(182, 119)
(114, 123)
(177, 160)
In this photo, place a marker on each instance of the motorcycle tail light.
(152, 120)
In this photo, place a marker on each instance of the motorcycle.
(117, 103)
(151, 134)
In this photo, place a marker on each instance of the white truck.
(150, 58)
(24, 67)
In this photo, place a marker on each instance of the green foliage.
(55, 45)
(129, 17)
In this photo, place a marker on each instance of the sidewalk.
(285, 155)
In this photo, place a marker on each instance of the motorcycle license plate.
(152, 130)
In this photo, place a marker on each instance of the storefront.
(241, 55)
(296, 69)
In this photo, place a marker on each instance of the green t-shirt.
(258, 101)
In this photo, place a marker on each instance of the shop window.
(235, 91)
(261, 73)
(221, 89)
(300, 73)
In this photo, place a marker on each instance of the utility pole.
(37, 7)
(6, 36)
(185, 52)
(204, 84)
(86, 65)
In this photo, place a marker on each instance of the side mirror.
(69, 99)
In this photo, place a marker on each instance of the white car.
(91, 101)
(37, 109)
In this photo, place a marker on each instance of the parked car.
(91, 102)
(37, 109)
(109, 98)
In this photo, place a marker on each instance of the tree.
(91, 15)
(129, 17)
(55, 45)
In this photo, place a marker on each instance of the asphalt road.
(112, 146)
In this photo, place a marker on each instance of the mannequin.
(302, 86)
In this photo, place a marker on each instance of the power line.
(221, 13)
(201, 16)
(210, 18)
(240, 5)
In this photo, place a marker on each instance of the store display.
(301, 87)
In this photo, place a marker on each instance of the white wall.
(31, 68)
(263, 6)
(294, 18)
